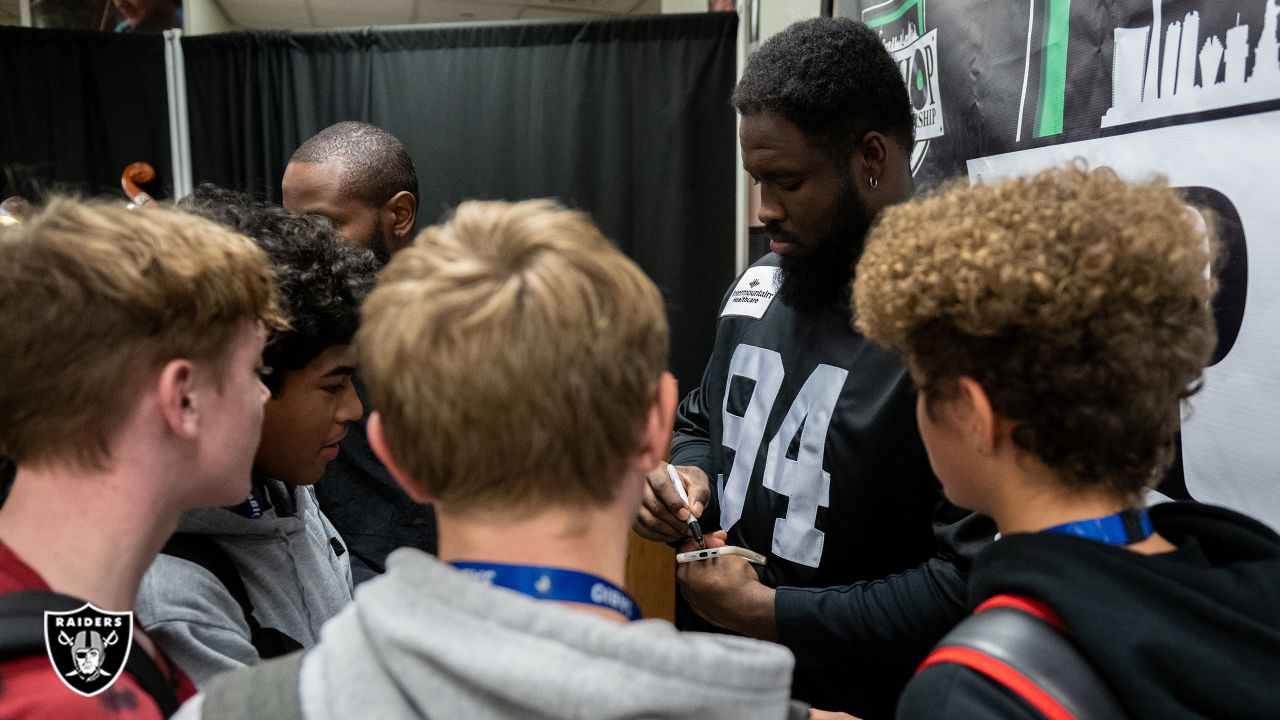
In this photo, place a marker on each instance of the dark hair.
(375, 164)
(322, 279)
(834, 79)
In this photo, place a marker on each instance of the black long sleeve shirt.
(807, 433)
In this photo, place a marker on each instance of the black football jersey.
(807, 432)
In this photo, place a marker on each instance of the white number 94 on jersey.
(802, 480)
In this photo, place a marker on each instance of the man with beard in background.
(801, 441)
(363, 179)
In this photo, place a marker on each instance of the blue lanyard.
(250, 508)
(546, 583)
(1124, 528)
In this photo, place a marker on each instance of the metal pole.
(179, 127)
(748, 34)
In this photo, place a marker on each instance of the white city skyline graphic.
(1151, 79)
(902, 39)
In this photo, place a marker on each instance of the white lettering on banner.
(802, 480)
(917, 59)
(753, 293)
(1230, 433)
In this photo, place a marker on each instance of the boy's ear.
(660, 420)
(180, 402)
(981, 419)
(378, 442)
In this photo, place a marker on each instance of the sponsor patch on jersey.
(753, 294)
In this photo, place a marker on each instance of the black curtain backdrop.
(628, 119)
(77, 107)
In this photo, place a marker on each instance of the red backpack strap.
(1001, 674)
(1020, 644)
(1030, 606)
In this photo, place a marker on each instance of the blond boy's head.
(514, 356)
(94, 299)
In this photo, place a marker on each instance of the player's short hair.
(94, 298)
(1078, 301)
(834, 79)
(375, 164)
(514, 354)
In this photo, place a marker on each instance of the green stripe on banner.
(1053, 78)
(895, 14)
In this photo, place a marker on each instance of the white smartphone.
(709, 553)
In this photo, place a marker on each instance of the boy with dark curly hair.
(259, 579)
(1053, 325)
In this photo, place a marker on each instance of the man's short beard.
(823, 275)
(378, 244)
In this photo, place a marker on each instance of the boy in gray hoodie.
(517, 361)
(257, 580)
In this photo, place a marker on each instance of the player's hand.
(727, 592)
(716, 539)
(663, 515)
(829, 715)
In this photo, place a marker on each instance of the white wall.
(774, 14)
(777, 14)
(683, 6)
(201, 17)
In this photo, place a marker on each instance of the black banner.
(1187, 89)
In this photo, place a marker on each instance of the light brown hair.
(513, 354)
(94, 298)
(1078, 301)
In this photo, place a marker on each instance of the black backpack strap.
(1020, 645)
(7, 472)
(203, 551)
(22, 620)
(267, 691)
(152, 681)
(22, 635)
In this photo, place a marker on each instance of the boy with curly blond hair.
(1053, 326)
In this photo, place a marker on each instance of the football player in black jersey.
(800, 442)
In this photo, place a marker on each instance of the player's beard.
(378, 244)
(822, 276)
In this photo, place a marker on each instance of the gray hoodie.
(293, 573)
(427, 641)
